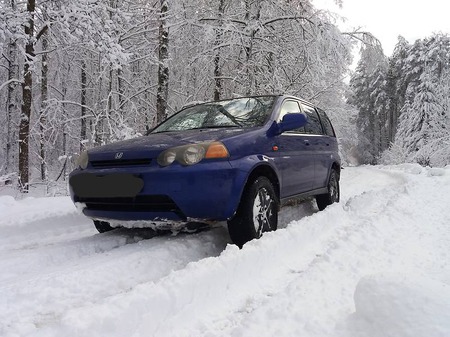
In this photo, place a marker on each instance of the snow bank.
(61, 278)
(175, 305)
(6, 202)
(417, 169)
(400, 306)
(22, 212)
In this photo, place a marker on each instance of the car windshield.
(240, 112)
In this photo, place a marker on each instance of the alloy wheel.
(262, 211)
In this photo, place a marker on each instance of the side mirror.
(292, 121)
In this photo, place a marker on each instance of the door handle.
(306, 142)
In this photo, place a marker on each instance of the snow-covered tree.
(368, 86)
(99, 71)
(396, 85)
(416, 117)
(422, 86)
(403, 103)
(423, 122)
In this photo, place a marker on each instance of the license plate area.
(86, 185)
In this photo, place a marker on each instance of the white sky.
(387, 19)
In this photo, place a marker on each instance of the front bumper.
(207, 191)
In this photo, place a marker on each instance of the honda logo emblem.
(118, 155)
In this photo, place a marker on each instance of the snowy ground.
(377, 264)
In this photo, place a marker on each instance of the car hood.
(154, 143)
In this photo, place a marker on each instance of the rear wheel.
(333, 195)
(257, 212)
(102, 226)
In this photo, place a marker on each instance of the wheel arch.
(337, 167)
(241, 226)
(267, 171)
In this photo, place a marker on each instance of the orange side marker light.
(217, 150)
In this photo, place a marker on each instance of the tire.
(102, 226)
(257, 212)
(333, 195)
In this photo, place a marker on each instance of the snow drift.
(375, 265)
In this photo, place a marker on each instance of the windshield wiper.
(215, 127)
(162, 131)
(197, 128)
(224, 112)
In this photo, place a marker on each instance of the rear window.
(313, 127)
(326, 123)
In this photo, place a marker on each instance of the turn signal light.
(217, 150)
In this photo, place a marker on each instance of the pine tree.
(396, 85)
(369, 97)
(423, 122)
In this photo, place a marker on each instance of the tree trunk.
(251, 33)
(121, 91)
(392, 103)
(24, 127)
(218, 41)
(83, 105)
(163, 67)
(11, 101)
(43, 112)
(98, 125)
(110, 108)
(64, 170)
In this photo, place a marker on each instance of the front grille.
(121, 162)
(143, 203)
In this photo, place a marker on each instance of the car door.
(294, 156)
(319, 144)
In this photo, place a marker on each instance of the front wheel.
(333, 195)
(257, 212)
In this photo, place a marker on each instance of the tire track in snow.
(44, 296)
(193, 299)
(30, 223)
(115, 271)
(383, 232)
(53, 260)
(302, 316)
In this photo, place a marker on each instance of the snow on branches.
(414, 101)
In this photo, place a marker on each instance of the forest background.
(74, 75)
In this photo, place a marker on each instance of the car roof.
(299, 99)
(254, 96)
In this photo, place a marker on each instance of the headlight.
(83, 160)
(193, 153)
(167, 157)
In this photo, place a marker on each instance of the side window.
(326, 123)
(290, 107)
(313, 127)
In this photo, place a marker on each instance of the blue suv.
(236, 160)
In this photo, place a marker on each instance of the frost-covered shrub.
(393, 156)
(437, 152)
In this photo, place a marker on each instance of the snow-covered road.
(376, 264)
